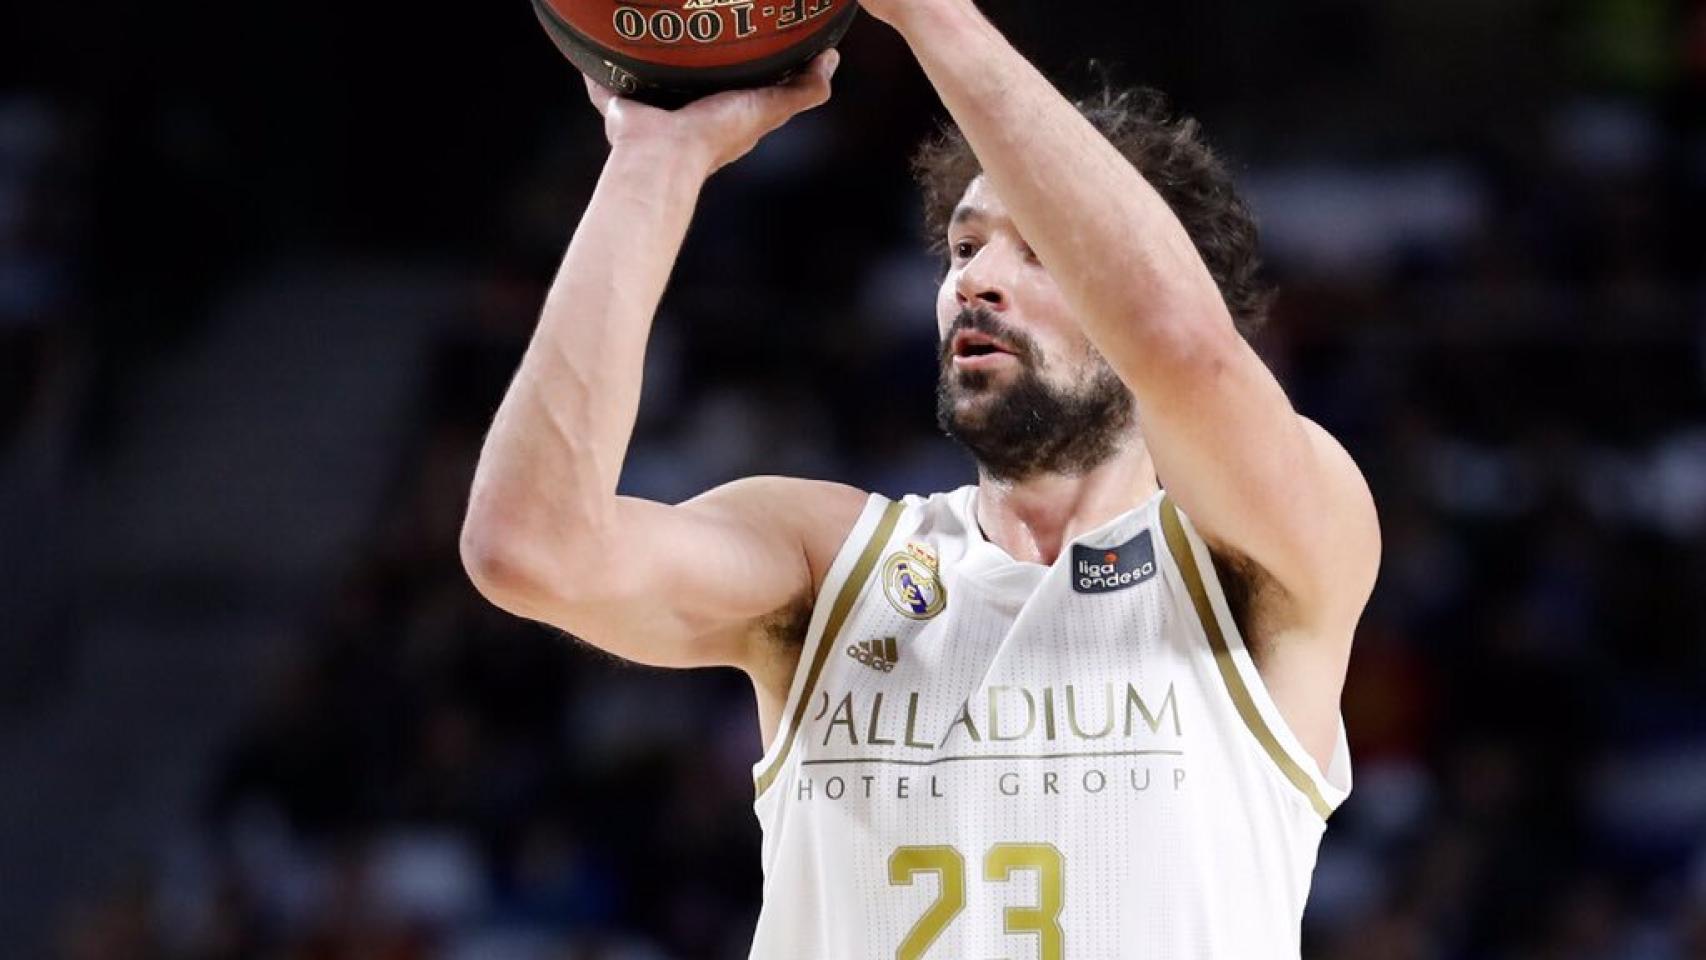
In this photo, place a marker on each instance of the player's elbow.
(514, 539)
(586, 600)
(513, 566)
(490, 558)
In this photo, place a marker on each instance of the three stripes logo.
(880, 655)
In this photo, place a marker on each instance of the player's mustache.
(982, 320)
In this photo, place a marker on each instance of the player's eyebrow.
(966, 212)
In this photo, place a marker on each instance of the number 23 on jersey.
(1002, 861)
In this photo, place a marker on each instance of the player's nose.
(983, 280)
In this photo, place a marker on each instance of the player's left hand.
(720, 128)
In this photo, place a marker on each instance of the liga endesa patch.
(1106, 569)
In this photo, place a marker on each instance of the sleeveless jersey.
(983, 758)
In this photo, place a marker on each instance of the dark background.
(266, 268)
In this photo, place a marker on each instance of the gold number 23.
(1003, 860)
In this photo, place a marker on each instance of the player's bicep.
(709, 570)
(694, 584)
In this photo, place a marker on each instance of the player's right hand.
(721, 128)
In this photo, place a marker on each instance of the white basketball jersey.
(981, 758)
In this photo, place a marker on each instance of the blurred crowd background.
(265, 271)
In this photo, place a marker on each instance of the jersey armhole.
(1324, 790)
(844, 582)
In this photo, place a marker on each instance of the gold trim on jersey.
(1180, 545)
(838, 612)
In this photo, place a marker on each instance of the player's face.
(991, 269)
(1020, 384)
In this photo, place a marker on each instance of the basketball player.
(1066, 712)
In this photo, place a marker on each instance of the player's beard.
(1023, 426)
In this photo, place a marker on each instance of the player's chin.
(971, 404)
(968, 388)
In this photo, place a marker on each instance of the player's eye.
(964, 250)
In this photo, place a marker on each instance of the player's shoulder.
(792, 499)
(945, 515)
(826, 504)
(818, 514)
(1350, 511)
(823, 515)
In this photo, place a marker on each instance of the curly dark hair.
(1171, 154)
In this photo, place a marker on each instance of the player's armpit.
(690, 585)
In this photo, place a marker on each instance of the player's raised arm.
(1256, 478)
(546, 536)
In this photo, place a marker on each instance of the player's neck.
(1033, 519)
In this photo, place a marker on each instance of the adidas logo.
(879, 655)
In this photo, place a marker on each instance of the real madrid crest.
(912, 583)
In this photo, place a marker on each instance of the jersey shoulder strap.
(1324, 790)
(835, 601)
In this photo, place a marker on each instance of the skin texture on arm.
(1260, 482)
(546, 536)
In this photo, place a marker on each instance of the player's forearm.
(551, 461)
(1117, 251)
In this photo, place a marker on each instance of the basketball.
(669, 53)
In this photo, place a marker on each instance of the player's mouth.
(972, 350)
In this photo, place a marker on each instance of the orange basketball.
(667, 52)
